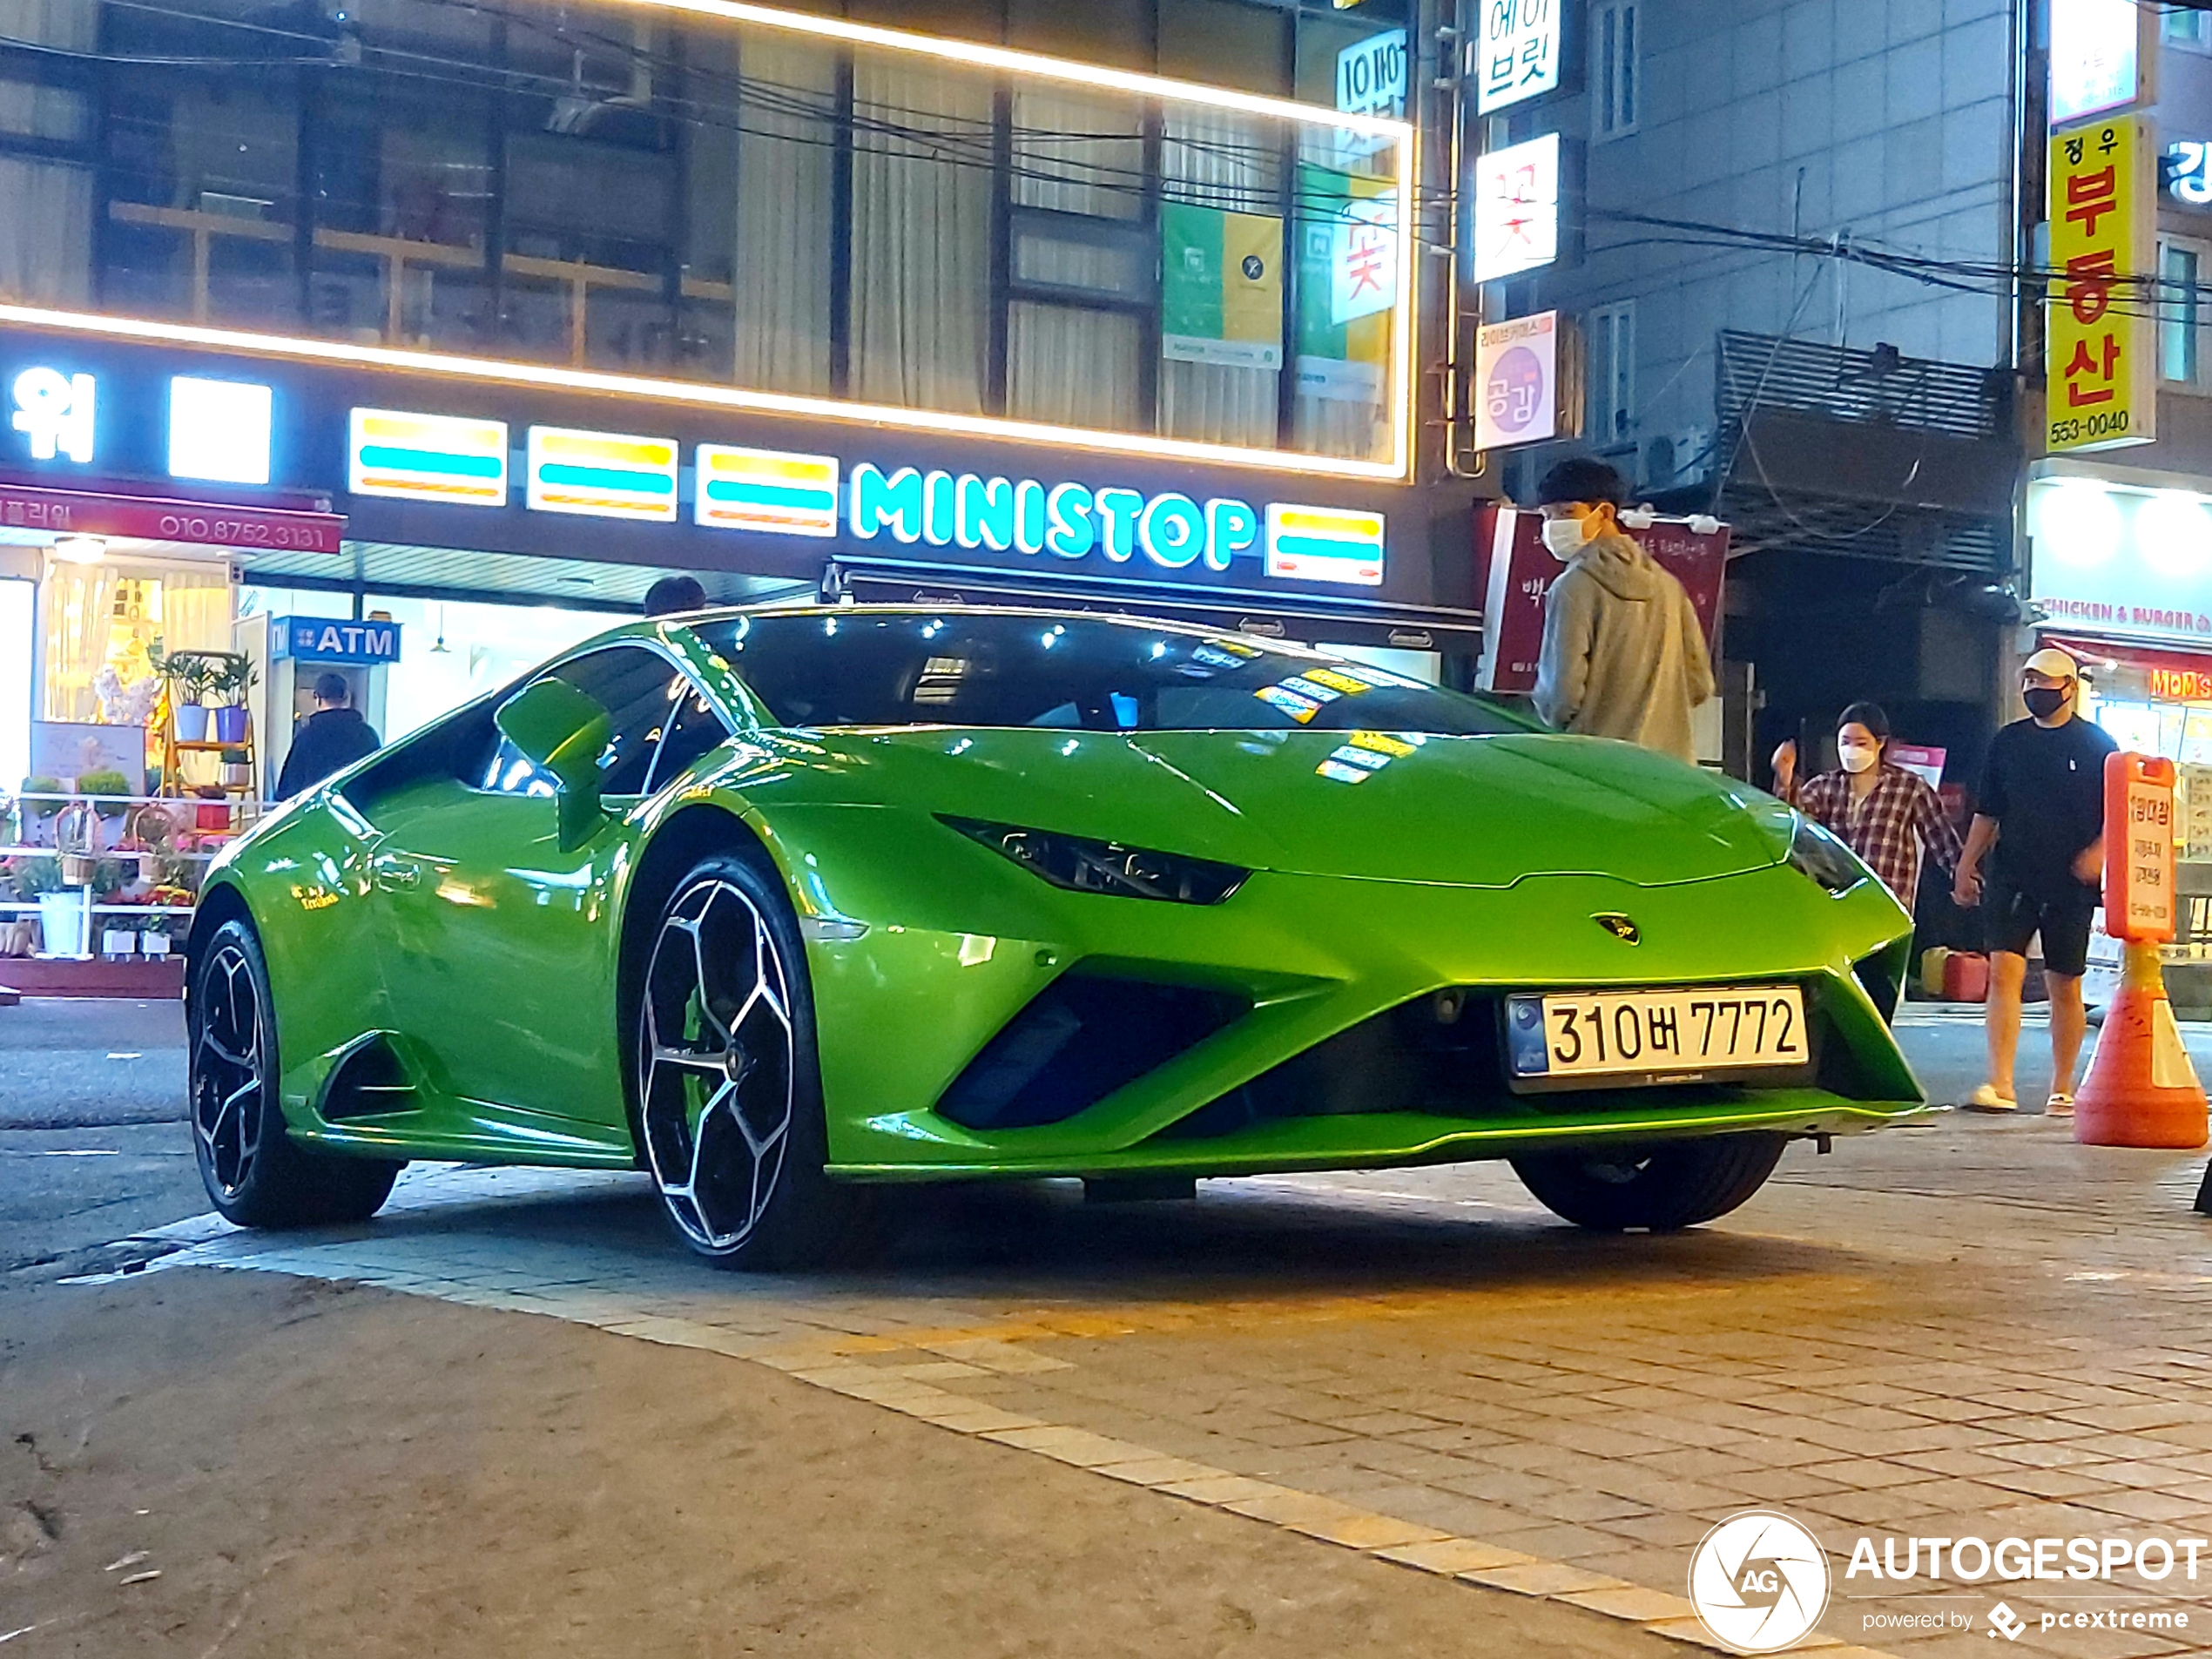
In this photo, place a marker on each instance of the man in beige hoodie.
(1624, 654)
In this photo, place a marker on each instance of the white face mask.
(1565, 538)
(1857, 757)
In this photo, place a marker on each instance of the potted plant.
(234, 678)
(40, 800)
(190, 676)
(111, 796)
(61, 910)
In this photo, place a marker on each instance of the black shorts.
(2011, 919)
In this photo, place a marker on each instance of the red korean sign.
(1516, 572)
(76, 512)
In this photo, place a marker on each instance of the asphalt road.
(93, 1147)
(92, 1139)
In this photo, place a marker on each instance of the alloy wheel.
(230, 1082)
(716, 1054)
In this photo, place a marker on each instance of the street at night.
(991, 829)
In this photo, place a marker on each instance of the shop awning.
(2174, 675)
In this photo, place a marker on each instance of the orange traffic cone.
(2141, 1089)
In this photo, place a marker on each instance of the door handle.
(394, 874)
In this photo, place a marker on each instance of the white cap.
(2052, 663)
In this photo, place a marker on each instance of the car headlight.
(1085, 866)
(1817, 855)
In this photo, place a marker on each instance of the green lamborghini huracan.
(777, 907)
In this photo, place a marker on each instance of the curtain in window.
(1077, 154)
(1072, 366)
(921, 225)
(782, 268)
(77, 611)
(1233, 164)
(46, 206)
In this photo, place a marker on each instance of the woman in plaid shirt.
(1883, 812)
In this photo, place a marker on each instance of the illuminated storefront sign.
(220, 430)
(2128, 564)
(2185, 171)
(2097, 58)
(297, 433)
(2100, 344)
(1517, 55)
(601, 474)
(1068, 520)
(320, 639)
(2180, 685)
(1371, 80)
(1516, 208)
(1516, 381)
(54, 411)
(765, 489)
(426, 457)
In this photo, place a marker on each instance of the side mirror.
(562, 732)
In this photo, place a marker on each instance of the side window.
(697, 729)
(639, 690)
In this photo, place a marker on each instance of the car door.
(501, 959)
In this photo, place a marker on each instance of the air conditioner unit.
(1674, 460)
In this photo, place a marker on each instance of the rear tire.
(1679, 1183)
(254, 1173)
(729, 1081)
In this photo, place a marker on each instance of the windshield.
(1017, 669)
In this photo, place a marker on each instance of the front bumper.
(959, 941)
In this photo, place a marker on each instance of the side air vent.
(1082, 1038)
(370, 1082)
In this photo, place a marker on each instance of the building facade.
(484, 317)
(1790, 231)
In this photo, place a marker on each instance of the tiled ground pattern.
(1971, 1329)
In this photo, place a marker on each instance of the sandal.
(1986, 1099)
(2060, 1104)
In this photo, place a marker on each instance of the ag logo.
(1759, 1581)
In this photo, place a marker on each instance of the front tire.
(255, 1173)
(729, 1080)
(1677, 1185)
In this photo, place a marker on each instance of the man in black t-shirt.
(2042, 810)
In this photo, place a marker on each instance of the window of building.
(1616, 82)
(2180, 318)
(1612, 375)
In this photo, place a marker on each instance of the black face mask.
(2044, 701)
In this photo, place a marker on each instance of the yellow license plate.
(1657, 1035)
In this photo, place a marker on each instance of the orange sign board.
(2139, 848)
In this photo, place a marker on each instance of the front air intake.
(1084, 1036)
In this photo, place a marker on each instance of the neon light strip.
(494, 372)
(973, 54)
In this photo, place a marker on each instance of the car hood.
(1472, 811)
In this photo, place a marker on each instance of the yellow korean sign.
(2101, 343)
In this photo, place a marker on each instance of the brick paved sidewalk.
(1974, 1329)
